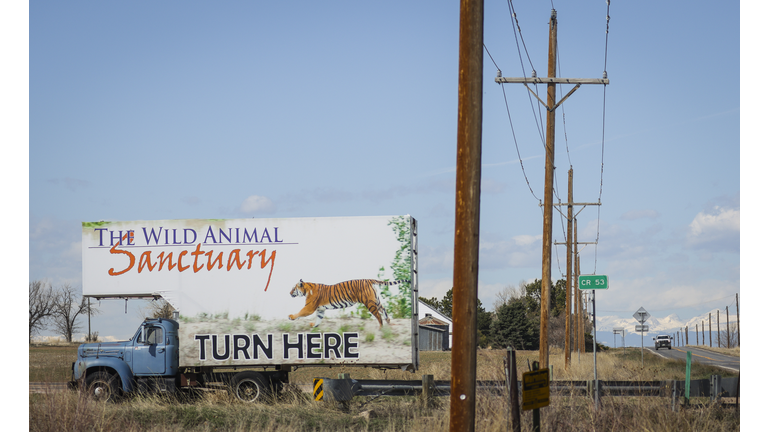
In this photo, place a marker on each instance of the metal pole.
(570, 286)
(710, 329)
(88, 339)
(549, 173)
(594, 349)
(467, 232)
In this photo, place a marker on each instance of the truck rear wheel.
(102, 386)
(249, 386)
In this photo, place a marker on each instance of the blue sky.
(161, 110)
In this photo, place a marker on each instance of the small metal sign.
(535, 389)
(642, 315)
(641, 328)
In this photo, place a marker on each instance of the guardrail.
(344, 389)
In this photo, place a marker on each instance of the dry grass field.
(295, 411)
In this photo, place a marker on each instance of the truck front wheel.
(249, 386)
(102, 386)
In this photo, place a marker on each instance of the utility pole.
(549, 175)
(727, 328)
(718, 328)
(738, 322)
(546, 259)
(569, 285)
(572, 290)
(582, 343)
(467, 231)
(578, 306)
(710, 329)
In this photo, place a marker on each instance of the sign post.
(594, 282)
(536, 392)
(620, 331)
(642, 316)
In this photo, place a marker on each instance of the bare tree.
(728, 338)
(70, 305)
(508, 294)
(158, 309)
(42, 303)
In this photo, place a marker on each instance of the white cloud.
(257, 204)
(437, 288)
(527, 240)
(716, 230)
(723, 220)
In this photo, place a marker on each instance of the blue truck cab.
(149, 362)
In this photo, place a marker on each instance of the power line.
(602, 144)
(517, 148)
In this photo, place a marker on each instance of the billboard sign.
(272, 291)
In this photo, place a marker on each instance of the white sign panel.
(232, 282)
(642, 315)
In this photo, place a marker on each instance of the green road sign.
(591, 282)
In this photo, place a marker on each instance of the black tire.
(249, 387)
(102, 386)
(669, 347)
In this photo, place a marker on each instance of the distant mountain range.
(669, 325)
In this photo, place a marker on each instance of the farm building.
(435, 329)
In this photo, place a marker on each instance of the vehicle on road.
(662, 341)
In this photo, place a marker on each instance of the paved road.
(699, 355)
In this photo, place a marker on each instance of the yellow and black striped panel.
(317, 388)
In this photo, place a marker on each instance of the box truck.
(253, 299)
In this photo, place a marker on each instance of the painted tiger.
(341, 295)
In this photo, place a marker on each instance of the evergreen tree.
(514, 328)
(484, 322)
(556, 297)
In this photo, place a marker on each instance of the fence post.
(427, 389)
(714, 388)
(674, 396)
(513, 396)
(688, 377)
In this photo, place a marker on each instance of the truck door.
(149, 352)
